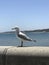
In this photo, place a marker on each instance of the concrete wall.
(10, 55)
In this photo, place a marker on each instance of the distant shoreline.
(38, 30)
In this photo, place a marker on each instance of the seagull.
(22, 36)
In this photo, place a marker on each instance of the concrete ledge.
(11, 55)
(28, 51)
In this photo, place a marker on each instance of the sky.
(26, 14)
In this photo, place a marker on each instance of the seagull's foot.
(20, 46)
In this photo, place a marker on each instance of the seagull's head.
(16, 28)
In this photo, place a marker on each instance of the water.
(10, 39)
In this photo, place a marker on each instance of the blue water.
(11, 39)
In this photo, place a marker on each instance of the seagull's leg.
(21, 43)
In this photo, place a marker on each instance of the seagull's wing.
(24, 36)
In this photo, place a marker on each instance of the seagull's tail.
(32, 40)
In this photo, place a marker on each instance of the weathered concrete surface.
(3, 54)
(10, 55)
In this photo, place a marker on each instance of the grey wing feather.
(25, 37)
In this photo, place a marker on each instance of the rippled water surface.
(10, 39)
